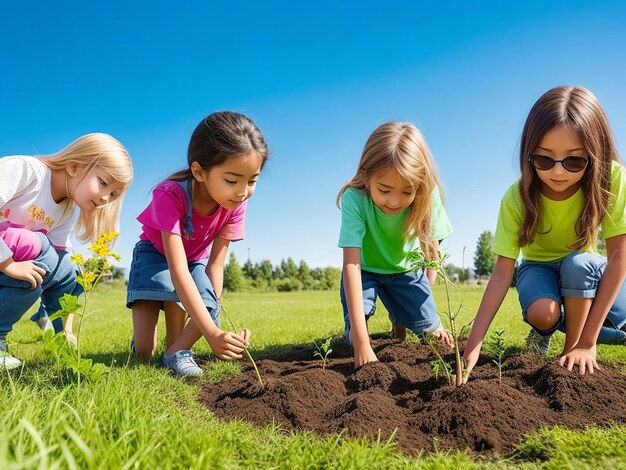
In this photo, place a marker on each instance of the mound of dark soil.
(400, 395)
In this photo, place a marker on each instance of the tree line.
(284, 277)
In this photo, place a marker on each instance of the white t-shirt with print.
(26, 201)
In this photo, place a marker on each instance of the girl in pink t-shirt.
(178, 264)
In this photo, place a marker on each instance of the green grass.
(138, 416)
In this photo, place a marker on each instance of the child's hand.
(585, 359)
(444, 336)
(363, 355)
(24, 271)
(228, 346)
(245, 334)
(471, 358)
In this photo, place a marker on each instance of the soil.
(400, 395)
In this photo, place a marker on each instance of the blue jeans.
(407, 297)
(576, 276)
(17, 296)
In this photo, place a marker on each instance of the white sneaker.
(6, 360)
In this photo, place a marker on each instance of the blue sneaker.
(6, 360)
(182, 364)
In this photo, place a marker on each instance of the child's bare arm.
(363, 352)
(225, 345)
(497, 288)
(215, 265)
(583, 354)
(215, 271)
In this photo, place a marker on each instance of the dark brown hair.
(220, 136)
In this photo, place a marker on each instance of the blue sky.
(317, 78)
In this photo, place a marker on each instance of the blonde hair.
(579, 110)
(91, 151)
(401, 146)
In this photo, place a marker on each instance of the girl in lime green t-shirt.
(572, 186)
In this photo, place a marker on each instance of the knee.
(580, 270)
(144, 351)
(544, 314)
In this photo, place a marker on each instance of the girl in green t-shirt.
(572, 185)
(390, 208)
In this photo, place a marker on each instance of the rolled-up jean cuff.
(579, 294)
(424, 327)
(369, 308)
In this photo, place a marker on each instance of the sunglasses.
(571, 164)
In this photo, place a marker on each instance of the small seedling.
(256, 369)
(498, 348)
(91, 271)
(323, 351)
(439, 365)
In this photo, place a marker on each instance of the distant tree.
(233, 275)
(305, 277)
(118, 273)
(289, 268)
(484, 258)
(248, 269)
(331, 278)
(264, 270)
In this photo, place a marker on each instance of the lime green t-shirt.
(558, 222)
(379, 235)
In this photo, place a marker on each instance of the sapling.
(419, 261)
(91, 272)
(256, 369)
(323, 351)
(498, 348)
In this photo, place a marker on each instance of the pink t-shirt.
(168, 211)
(24, 244)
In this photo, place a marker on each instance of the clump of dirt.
(400, 395)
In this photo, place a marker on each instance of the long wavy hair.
(218, 137)
(86, 153)
(579, 110)
(400, 145)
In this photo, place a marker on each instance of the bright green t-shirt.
(379, 235)
(558, 222)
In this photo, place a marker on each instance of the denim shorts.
(407, 297)
(150, 279)
(576, 276)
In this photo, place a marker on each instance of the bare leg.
(577, 311)
(398, 332)
(190, 336)
(543, 313)
(175, 318)
(145, 319)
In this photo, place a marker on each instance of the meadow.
(139, 416)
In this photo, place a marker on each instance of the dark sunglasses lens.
(541, 162)
(575, 164)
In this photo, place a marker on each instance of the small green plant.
(419, 261)
(256, 369)
(91, 272)
(323, 351)
(499, 350)
(439, 366)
